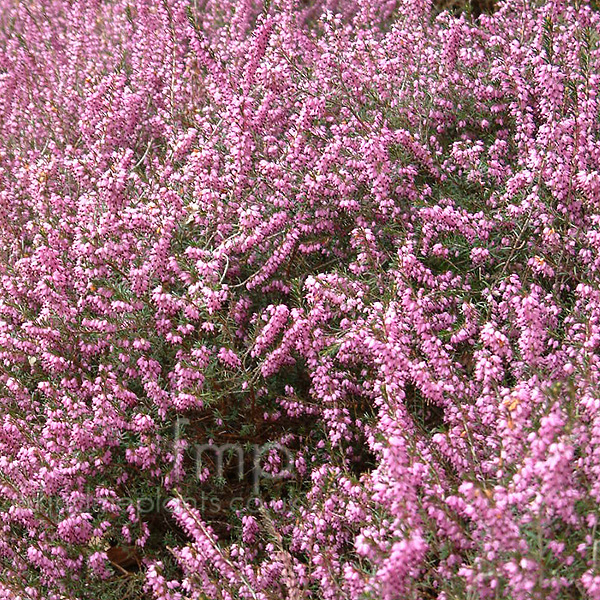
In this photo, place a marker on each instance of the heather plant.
(299, 300)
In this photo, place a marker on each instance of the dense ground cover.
(352, 246)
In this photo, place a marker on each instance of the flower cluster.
(363, 232)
